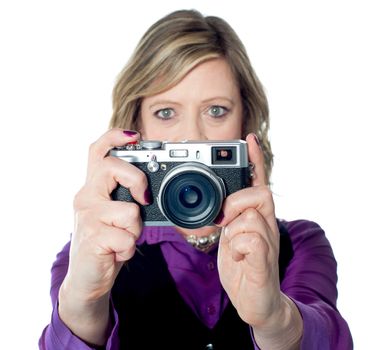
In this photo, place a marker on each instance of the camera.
(189, 180)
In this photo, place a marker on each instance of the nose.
(193, 129)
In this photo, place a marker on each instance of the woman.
(266, 283)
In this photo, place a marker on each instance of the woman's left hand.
(249, 248)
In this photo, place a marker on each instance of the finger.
(246, 244)
(250, 247)
(257, 159)
(112, 138)
(251, 221)
(120, 242)
(109, 228)
(122, 215)
(259, 198)
(113, 171)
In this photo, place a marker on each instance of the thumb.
(256, 158)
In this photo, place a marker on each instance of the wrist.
(284, 328)
(88, 319)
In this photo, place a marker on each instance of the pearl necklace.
(204, 243)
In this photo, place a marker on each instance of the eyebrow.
(219, 98)
(170, 102)
(163, 102)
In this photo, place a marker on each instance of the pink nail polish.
(148, 196)
(219, 218)
(130, 133)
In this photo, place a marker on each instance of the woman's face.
(204, 105)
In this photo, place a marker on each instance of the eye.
(217, 111)
(164, 113)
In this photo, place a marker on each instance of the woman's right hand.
(105, 231)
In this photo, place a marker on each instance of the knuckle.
(113, 166)
(139, 180)
(80, 199)
(109, 167)
(128, 253)
(134, 211)
(97, 149)
(265, 193)
(93, 147)
(135, 217)
(231, 204)
(259, 243)
(128, 213)
(255, 240)
(250, 214)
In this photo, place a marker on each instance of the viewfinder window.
(224, 155)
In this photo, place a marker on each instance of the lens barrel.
(191, 195)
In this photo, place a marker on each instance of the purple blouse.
(310, 281)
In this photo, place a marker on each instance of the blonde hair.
(170, 49)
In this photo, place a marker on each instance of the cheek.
(155, 134)
(233, 128)
(224, 132)
(153, 131)
(228, 131)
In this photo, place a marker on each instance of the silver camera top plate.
(227, 153)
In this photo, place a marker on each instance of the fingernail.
(219, 218)
(148, 196)
(130, 132)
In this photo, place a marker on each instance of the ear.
(256, 158)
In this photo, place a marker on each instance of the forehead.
(209, 78)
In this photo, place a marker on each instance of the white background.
(321, 64)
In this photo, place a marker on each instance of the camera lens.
(191, 195)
